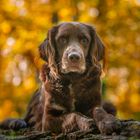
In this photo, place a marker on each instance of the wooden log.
(130, 130)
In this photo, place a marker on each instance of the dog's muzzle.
(73, 60)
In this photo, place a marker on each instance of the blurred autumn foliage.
(23, 26)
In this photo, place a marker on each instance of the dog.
(70, 96)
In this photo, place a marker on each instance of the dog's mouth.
(73, 68)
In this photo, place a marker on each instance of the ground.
(130, 131)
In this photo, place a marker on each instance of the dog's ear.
(100, 47)
(43, 50)
(97, 50)
(47, 50)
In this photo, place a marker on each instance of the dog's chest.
(80, 97)
(73, 99)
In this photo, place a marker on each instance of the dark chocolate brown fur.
(70, 95)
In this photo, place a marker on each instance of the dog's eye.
(63, 40)
(84, 40)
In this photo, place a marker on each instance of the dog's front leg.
(74, 121)
(107, 123)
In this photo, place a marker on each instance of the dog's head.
(71, 47)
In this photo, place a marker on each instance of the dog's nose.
(74, 57)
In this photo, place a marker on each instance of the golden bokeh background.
(23, 26)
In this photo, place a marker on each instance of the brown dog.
(71, 85)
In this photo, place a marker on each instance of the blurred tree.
(24, 24)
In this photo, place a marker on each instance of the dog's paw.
(14, 124)
(69, 123)
(85, 123)
(76, 121)
(109, 125)
(67, 128)
(17, 124)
